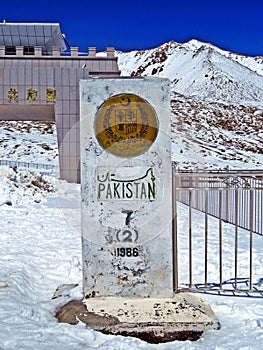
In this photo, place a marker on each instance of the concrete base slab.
(183, 317)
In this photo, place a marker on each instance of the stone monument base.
(155, 320)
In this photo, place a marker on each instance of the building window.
(10, 50)
(29, 50)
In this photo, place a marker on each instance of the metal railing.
(226, 194)
(218, 223)
(42, 168)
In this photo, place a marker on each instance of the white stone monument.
(126, 191)
(126, 187)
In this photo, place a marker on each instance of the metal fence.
(42, 168)
(218, 223)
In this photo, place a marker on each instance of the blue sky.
(234, 25)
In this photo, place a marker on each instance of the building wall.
(47, 88)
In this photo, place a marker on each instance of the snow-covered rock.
(200, 70)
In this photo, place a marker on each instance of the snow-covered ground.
(28, 142)
(41, 250)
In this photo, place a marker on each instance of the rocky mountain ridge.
(200, 70)
(216, 102)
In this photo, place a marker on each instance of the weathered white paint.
(126, 202)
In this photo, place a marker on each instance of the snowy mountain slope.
(212, 77)
(129, 61)
(204, 135)
(253, 63)
(27, 141)
(215, 135)
(216, 102)
(197, 70)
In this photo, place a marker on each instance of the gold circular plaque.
(126, 125)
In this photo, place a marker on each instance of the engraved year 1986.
(127, 252)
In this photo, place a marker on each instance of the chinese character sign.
(32, 94)
(51, 95)
(12, 95)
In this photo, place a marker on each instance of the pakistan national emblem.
(126, 125)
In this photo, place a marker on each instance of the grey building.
(40, 81)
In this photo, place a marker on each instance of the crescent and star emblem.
(125, 101)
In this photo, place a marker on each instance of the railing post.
(175, 250)
(220, 240)
(206, 234)
(190, 239)
(236, 236)
(251, 215)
